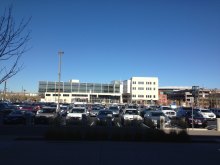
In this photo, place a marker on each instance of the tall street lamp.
(60, 53)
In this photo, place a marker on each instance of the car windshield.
(132, 106)
(113, 108)
(195, 114)
(47, 111)
(157, 114)
(16, 113)
(166, 108)
(205, 111)
(105, 112)
(77, 111)
(131, 112)
(95, 109)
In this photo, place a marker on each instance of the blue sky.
(177, 41)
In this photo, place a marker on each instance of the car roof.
(129, 109)
(78, 108)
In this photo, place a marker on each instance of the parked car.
(168, 111)
(115, 110)
(216, 112)
(197, 119)
(19, 117)
(45, 115)
(76, 114)
(5, 109)
(154, 116)
(130, 115)
(185, 114)
(206, 113)
(28, 108)
(181, 111)
(144, 111)
(105, 117)
(94, 111)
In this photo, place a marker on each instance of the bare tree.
(13, 40)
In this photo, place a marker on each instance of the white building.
(141, 90)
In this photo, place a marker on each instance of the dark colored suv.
(191, 116)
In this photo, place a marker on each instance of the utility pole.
(5, 88)
(60, 53)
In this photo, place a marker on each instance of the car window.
(205, 111)
(157, 114)
(16, 112)
(131, 112)
(166, 108)
(104, 112)
(77, 111)
(47, 111)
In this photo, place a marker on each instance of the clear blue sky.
(103, 40)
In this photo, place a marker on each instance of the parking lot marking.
(144, 125)
(92, 123)
(118, 125)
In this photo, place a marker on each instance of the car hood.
(131, 116)
(74, 114)
(45, 115)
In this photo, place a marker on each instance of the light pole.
(60, 53)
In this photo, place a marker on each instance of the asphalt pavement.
(107, 153)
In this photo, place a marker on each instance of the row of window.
(142, 83)
(147, 96)
(142, 88)
(67, 95)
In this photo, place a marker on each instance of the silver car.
(154, 116)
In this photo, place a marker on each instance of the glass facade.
(68, 87)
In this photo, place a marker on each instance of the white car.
(130, 115)
(76, 113)
(206, 113)
(168, 111)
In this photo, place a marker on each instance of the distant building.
(185, 96)
(135, 90)
(141, 90)
(75, 91)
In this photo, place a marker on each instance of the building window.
(47, 94)
(56, 94)
(154, 89)
(134, 82)
(140, 96)
(140, 88)
(65, 95)
(134, 88)
(154, 96)
(154, 83)
(140, 82)
(133, 95)
(79, 95)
